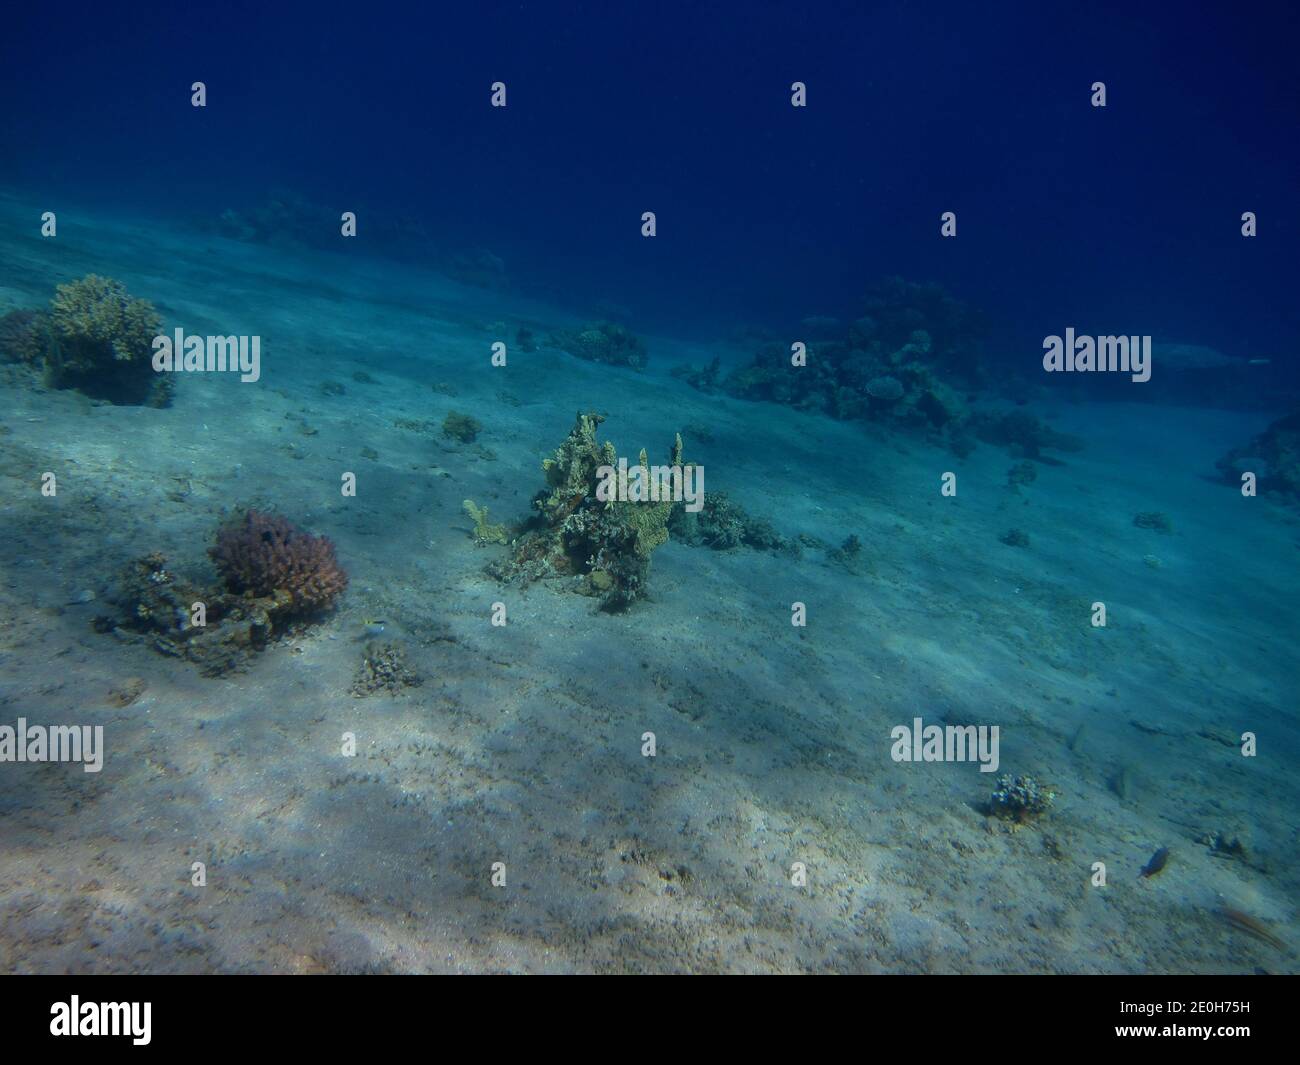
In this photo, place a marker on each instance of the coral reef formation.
(904, 361)
(275, 577)
(264, 555)
(1273, 457)
(602, 547)
(1020, 799)
(912, 361)
(605, 342)
(285, 219)
(723, 524)
(847, 554)
(289, 220)
(95, 337)
(702, 379)
(480, 268)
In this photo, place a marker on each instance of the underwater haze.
(677, 488)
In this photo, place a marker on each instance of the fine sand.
(523, 746)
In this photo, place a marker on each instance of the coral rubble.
(217, 631)
(384, 669)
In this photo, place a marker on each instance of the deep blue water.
(1122, 219)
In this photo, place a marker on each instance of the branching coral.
(97, 338)
(263, 555)
(571, 472)
(95, 315)
(604, 545)
(483, 532)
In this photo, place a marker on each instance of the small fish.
(371, 630)
(1119, 783)
(1158, 861)
(1252, 926)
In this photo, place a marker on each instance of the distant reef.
(911, 360)
(291, 220)
(606, 342)
(1273, 457)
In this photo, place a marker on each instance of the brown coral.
(264, 555)
(22, 335)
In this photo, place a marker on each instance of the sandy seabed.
(524, 743)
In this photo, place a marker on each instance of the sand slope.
(523, 744)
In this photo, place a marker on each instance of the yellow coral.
(97, 311)
(483, 532)
(649, 520)
(572, 470)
